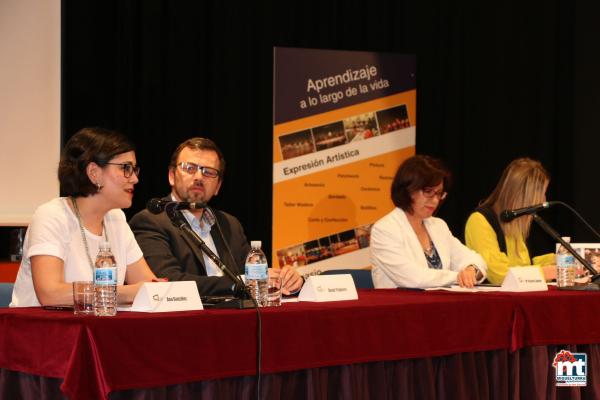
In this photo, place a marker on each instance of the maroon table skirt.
(93, 357)
(494, 375)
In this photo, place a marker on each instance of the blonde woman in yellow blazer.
(523, 183)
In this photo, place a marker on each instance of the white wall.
(29, 106)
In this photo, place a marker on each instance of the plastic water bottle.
(257, 273)
(105, 282)
(565, 266)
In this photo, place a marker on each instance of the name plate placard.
(524, 279)
(328, 288)
(167, 296)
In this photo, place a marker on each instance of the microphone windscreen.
(155, 206)
(506, 216)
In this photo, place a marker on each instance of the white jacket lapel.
(412, 240)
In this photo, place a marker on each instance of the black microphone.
(509, 215)
(156, 206)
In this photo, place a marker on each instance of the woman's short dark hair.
(89, 145)
(199, 143)
(416, 173)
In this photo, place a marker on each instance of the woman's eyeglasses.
(430, 193)
(128, 169)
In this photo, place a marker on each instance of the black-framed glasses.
(192, 168)
(431, 193)
(128, 169)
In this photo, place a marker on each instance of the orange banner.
(333, 170)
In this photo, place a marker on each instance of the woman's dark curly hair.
(89, 145)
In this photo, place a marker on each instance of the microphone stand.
(587, 224)
(245, 299)
(595, 278)
(242, 298)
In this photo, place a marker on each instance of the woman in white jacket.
(411, 248)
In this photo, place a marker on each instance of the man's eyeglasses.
(431, 193)
(128, 169)
(192, 168)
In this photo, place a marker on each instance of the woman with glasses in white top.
(97, 173)
(411, 248)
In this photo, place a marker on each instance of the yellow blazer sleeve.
(545, 259)
(481, 237)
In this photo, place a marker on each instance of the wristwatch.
(478, 274)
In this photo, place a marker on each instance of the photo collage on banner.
(343, 123)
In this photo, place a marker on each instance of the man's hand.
(291, 281)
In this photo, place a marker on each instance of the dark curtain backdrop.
(495, 81)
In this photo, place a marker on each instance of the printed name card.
(524, 279)
(167, 296)
(328, 288)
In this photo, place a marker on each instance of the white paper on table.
(457, 288)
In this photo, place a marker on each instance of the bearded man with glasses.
(195, 175)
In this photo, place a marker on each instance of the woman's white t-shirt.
(54, 231)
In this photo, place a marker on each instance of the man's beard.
(196, 198)
(191, 197)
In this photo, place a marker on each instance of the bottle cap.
(105, 245)
(256, 244)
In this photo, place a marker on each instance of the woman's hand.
(126, 293)
(549, 272)
(467, 277)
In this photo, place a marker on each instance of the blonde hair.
(523, 183)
